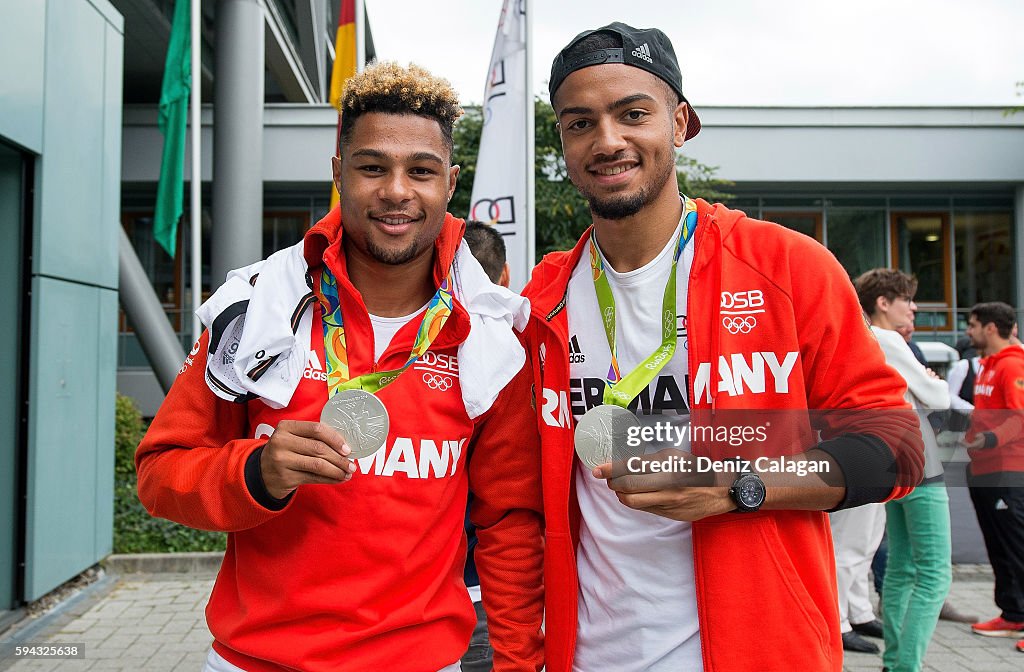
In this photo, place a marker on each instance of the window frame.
(946, 306)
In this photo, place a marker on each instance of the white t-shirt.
(637, 599)
(385, 328)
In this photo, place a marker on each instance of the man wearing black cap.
(672, 309)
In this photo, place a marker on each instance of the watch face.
(750, 492)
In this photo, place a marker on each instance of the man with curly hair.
(342, 401)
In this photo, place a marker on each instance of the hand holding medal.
(353, 408)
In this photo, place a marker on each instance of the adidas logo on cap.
(643, 52)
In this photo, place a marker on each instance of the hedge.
(135, 531)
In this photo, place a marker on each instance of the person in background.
(488, 246)
(995, 443)
(918, 571)
(961, 379)
(907, 332)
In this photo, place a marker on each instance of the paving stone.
(157, 622)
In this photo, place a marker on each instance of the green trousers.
(917, 576)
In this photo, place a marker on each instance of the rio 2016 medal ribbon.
(360, 418)
(602, 432)
(352, 407)
(601, 435)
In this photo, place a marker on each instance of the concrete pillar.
(237, 236)
(147, 316)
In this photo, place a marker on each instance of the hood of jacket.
(322, 244)
(550, 279)
(1006, 354)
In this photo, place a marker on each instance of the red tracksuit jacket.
(999, 409)
(766, 587)
(364, 575)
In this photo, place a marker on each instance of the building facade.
(60, 203)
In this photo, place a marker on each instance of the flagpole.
(360, 35)
(531, 237)
(195, 210)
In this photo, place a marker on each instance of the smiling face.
(395, 180)
(619, 134)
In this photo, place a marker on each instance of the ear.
(882, 304)
(505, 277)
(453, 179)
(679, 118)
(336, 171)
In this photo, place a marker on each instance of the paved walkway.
(155, 622)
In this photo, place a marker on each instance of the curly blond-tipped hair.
(391, 88)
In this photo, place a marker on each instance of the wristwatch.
(747, 492)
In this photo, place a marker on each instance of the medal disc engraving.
(601, 435)
(360, 418)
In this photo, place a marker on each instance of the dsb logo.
(753, 298)
(443, 363)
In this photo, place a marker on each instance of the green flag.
(173, 115)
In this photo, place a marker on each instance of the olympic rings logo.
(437, 382)
(499, 210)
(739, 325)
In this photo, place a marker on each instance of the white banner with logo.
(504, 171)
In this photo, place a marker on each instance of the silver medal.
(360, 418)
(601, 435)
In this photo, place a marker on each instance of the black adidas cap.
(645, 48)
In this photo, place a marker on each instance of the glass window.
(159, 266)
(807, 223)
(792, 202)
(855, 202)
(921, 248)
(857, 238)
(976, 201)
(920, 202)
(984, 257)
(283, 229)
(748, 206)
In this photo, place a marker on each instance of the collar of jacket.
(549, 285)
(322, 245)
(550, 281)
(1009, 352)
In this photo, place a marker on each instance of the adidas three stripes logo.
(643, 52)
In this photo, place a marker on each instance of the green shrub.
(135, 531)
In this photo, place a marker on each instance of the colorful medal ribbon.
(620, 390)
(336, 347)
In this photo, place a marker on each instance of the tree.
(561, 213)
